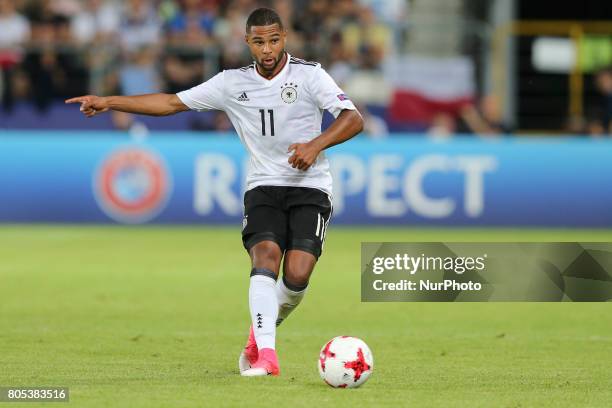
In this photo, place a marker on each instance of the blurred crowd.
(598, 120)
(52, 49)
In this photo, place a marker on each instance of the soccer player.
(276, 106)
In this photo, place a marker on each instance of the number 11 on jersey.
(263, 121)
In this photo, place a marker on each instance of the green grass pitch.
(156, 317)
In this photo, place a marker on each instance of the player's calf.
(289, 297)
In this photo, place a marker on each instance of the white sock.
(287, 300)
(264, 310)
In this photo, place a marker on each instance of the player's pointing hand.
(91, 105)
(304, 155)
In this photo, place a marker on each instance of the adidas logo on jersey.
(243, 97)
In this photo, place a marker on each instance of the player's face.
(267, 45)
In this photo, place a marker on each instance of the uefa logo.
(132, 185)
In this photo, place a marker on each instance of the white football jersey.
(271, 114)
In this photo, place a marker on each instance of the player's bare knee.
(266, 254)
(296, 277)
(298, 267)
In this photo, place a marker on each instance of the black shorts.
(293, 217)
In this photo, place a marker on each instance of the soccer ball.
(345, 362)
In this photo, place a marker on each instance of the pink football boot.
(249, 355)
(266, 364)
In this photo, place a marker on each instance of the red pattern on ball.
(359, 366)
(325, 354)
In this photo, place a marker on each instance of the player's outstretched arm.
(347, 124)
(151, 104)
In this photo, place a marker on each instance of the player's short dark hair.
(262, 17)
